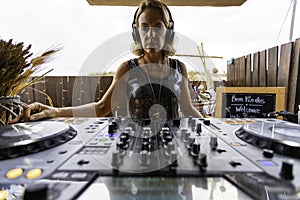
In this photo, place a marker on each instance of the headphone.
(170, 31)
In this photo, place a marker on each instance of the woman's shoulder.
(126, 66)
(122, 69)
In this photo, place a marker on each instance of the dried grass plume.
(17, 65)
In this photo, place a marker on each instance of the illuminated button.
(231, 122)
(234, 144)
(3, 194)
(60, 175)
(14, 173)
(103, 139)
(79, 175)
(34, 173)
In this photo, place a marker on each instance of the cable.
(283, 22)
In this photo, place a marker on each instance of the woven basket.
(10, 107)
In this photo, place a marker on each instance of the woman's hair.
(168, 49)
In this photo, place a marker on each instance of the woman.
(154, 84)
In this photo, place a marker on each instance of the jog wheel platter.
(28, 138)
(280, 137)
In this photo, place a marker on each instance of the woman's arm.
(111, 98)
(185, 101)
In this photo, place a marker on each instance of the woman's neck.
(154, 58)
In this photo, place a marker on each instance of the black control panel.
(121, 158)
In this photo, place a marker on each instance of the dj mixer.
(122, 158)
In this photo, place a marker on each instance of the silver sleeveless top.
(149, 96)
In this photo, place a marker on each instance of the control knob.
(195, 149)
(202, 160)
(144, 160)
(190, 142)
(170, 148)
(186, 136)
(115, 161)
(199, 129)
(287, 170)
(213, 141)
(173, 159)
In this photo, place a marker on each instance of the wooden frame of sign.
(248, 101)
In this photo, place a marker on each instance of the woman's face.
(152, 30)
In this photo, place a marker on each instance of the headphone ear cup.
(170, 36)
(136, 35)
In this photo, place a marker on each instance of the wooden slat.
(262, 69)
(65, 91)
(284, 68)
(255, 72)
(248, 82)
(242, 72)
(26, 95)
(74, 91)
(54, 90)
(294, 89)
(236, 72)
(89, 86)
(57, 89)
(272, 67)
(40, 88)
(105, 82)
(97, 92)
(284, 64)
(230, 74)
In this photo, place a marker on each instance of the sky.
(98, 38)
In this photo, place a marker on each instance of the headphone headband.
(169, 12)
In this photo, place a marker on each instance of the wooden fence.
(274, 67)
(67, 90)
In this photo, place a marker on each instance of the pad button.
(34, 173)
(14, 173)
(3, 194)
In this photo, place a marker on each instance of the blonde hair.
(168, 49)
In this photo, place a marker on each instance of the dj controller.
(122, 158)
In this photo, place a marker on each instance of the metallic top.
(153, 97)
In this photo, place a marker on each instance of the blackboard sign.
(248, 105)
(249, 102)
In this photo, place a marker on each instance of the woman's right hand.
(34, 112)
